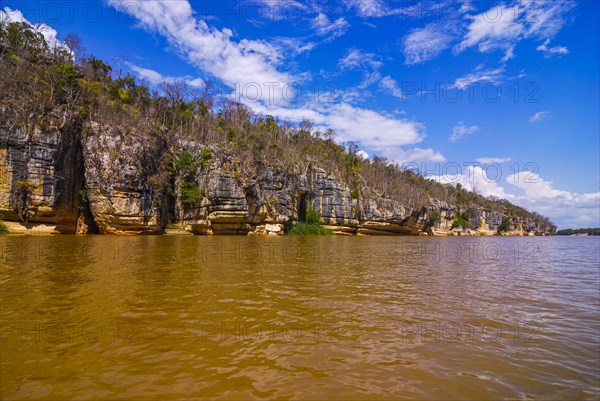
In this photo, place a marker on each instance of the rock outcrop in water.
(54, 181)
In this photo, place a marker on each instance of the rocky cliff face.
(118, 193)
(40, 177)
(51, 180)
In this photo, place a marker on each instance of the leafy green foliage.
(205, 156)
(312, 217)
(504, 226)
(185, 167)
(462, 220)
(191, 193)
(185, 163)
(434, 217)
(312, 225)
(302, 228)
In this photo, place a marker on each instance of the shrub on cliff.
(504, 226)
(462, 220)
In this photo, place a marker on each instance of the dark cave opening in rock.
(302, 208)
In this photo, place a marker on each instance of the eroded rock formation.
(58, 181)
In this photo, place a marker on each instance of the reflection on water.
(305, 318)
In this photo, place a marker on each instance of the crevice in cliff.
(85, 220)
(302, 207)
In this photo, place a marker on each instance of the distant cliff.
(82, 152)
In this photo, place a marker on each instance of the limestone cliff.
(51, 178)
(40, 177)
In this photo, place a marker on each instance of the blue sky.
(507, 91)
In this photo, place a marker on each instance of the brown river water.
(161, 318)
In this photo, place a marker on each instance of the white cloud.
(50, 34)
(501, 27)
(363, 155)
(391, 85)
(156, 78)
(490, 160)
(534, 186)
(356, 59)
(497, 28)
(544, 19)
(400, 156)
(567, 209)
(370, 129)
(474, 178)
(421, 45)
(369, 8)
(460, 131)
(564, 208)
(246, 63)
(493, 76)
(381, 8)
(538, 116)
(552, 51)
(324, 27)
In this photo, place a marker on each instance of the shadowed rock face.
(43, 172)
(40, 178)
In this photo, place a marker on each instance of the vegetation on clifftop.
(579, 231)
(63, 88)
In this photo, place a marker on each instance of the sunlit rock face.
(118, 192)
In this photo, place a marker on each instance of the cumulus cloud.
(538, 116)
(474, 178)
(567, 209)
(372, 129)
(369, 128)
(529, 190)
(460, 131)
